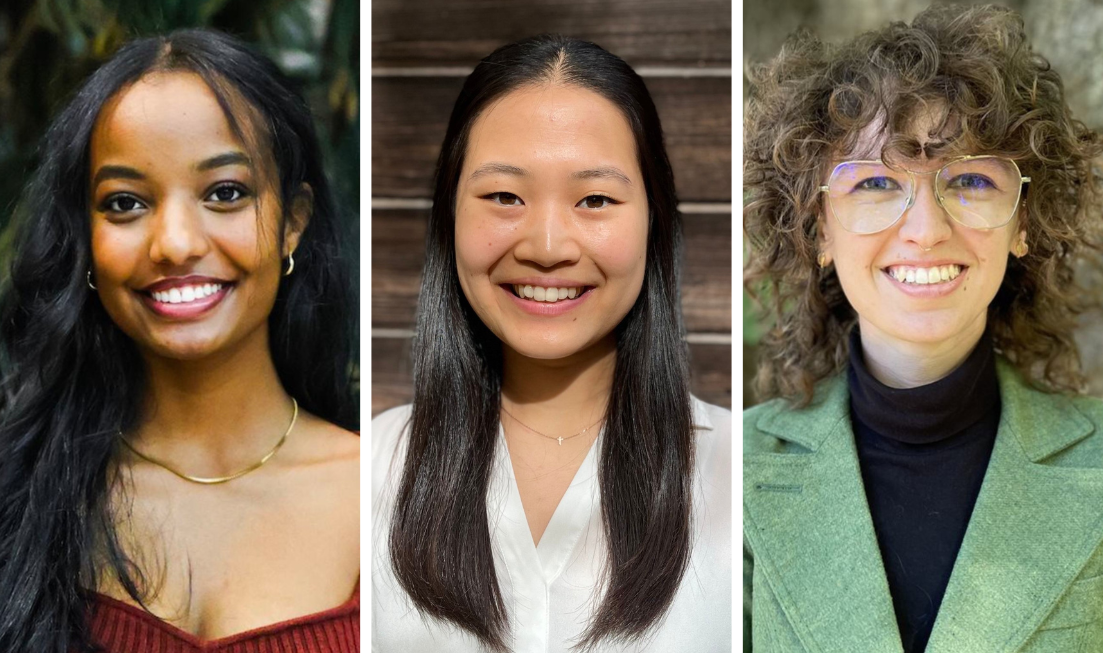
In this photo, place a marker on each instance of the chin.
(543, 348)
(184, 349)
(928, 332)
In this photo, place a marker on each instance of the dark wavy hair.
(440, 542)
(995, 96)
(71, 381)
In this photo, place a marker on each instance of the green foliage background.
(47, 47)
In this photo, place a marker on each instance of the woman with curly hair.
(925, 477)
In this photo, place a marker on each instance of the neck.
(213, 413)
(565, 391)
(904, 364)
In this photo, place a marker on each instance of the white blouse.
(549, 588)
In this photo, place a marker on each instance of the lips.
(194, 280)
(185, 298)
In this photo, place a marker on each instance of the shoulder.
(322, 445)
(1052, 428)
(755, 438)
(777, 426)
(709, 417)
(388, 430)
(713, 425)
(388, 427)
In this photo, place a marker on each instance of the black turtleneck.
(923, 453)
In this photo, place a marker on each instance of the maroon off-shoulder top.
(123, 628)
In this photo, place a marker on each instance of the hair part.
(440, 542)
(973, 69)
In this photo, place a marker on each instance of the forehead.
(163, 112)
(552, 124)
(927, 134)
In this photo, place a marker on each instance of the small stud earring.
(88, 277)
(290, 264)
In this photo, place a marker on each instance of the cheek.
(620, 249)
(480, 244)
(115, 252)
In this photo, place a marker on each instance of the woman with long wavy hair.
(553, 486)
(177, 349)
(925, 475)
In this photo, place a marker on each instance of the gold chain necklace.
(560, 438)
(220, 479)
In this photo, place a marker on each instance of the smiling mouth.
(186, 294)
(546, 295)
(925, 276)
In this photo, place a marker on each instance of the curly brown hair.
(996, 96)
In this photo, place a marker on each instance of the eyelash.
(243, 192)
(497, 199)
(108, 205)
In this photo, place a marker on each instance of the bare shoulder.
(324, 444)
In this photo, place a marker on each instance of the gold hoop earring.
(1021, 249)
(290, 264)
(88, 277)
(822, 260)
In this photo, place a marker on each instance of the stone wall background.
(1069, 33)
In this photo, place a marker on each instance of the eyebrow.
(222, 160)
(116, 172)
(126, 172)
(499, 169)
(604, 172)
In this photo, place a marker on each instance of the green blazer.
(1028, 578)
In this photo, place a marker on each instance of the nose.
(925, 222)
(177, 234)
(548, 236)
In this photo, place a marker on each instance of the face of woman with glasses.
(921, 248)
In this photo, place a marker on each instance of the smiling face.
(185, 226)
(551, 220)
(882, 273)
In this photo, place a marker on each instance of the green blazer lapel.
(1034, 526)
(809, 526)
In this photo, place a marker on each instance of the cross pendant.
(560, 438)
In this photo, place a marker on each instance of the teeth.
(548, 295)
(185, 294)
(925, 276)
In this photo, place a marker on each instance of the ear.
(302, 208)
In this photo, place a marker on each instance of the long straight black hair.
(440, 542)
(70, 380)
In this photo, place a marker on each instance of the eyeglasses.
(980, 192)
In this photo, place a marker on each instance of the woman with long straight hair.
(177, 349)
(553, 486)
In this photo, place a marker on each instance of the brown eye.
(504, 199)
(595, 202)
(121, 204)
(227, 193)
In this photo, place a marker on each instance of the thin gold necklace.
(220, 479)
(560, 438)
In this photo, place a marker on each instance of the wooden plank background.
(421, 52)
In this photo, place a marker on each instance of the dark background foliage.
(47, 47)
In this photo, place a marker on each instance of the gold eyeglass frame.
(914, 187)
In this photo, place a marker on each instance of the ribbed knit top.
(123, 628)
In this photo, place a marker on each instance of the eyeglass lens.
(867, 197)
